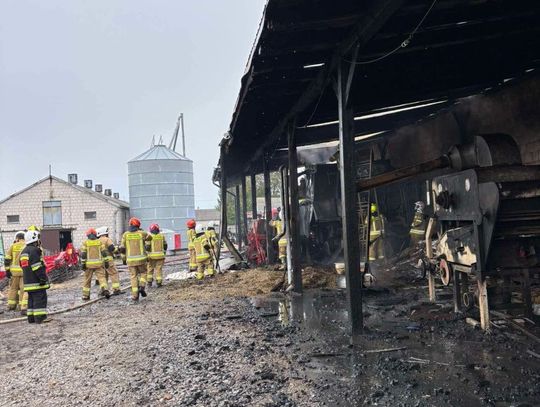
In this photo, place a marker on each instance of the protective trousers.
(37, 306)
(376, 249)
(137, 275)
(112, 273)
(16, 294)
(192, 259)
(155, 266)
(282, 250)
(204, 267)
(87, 283)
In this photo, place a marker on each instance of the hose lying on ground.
(84, 304)
(63, 311)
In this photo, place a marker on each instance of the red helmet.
(191, 224)
(154, 227)
(135, 222)
(91, 231)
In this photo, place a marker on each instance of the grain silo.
(161, 189)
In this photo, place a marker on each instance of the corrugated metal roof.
(159, 152)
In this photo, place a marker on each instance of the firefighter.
(93, 255)
(111, 271)
(376, 246)
(191, 225)
(277, 223)
(156, 248)
(35, 278)
(212, 237)
(14, 272)
(133, 246)
(205, 265)
(418, 225)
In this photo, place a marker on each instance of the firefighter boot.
(142, 291)
(105, 293)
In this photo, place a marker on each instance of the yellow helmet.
(373, 208)
(34, 227)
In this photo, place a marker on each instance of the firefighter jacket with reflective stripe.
(13, 254)
(376, 227)
(418, 225)
(133, 242)
(201, 247)
(190, 238)
(158, 246)
(108, 243)
(278, 224)
(34, 271)
(211, 235)
(93, 253)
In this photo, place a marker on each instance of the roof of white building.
(109, 199)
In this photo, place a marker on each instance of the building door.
(65, 238)
(50, 241)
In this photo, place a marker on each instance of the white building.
(65, 211)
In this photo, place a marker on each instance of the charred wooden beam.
(294, 231)
(349, 197)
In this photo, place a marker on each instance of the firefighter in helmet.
(111, 271)
(418, 225)
(14, 272)
(205, 265)
(191, 225)
(212, 237)
(133, 246)
(156, 249)
(94, 255)
(376, 244)
(280, 235)
(35, 278)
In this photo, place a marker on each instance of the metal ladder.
(363, 205)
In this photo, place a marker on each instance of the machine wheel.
(445, 272)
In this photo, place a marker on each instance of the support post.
(270, 257)
(430, 230)
(238, 220)
(244, 211)
(253, 196)
(294, 229)
(349, 217)
(223, 198)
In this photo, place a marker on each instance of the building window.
(52, 213)
(90, 215)
(13, 219)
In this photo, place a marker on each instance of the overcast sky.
(85, 84)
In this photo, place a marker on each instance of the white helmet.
(211, 224)
(199, 228)
(419, 206)
(31, 236)
(103, 230)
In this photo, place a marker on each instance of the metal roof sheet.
(159, 152)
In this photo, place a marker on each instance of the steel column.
(270, 257)
(351, 238)
(253, 196)
(294, 227)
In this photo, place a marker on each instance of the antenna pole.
(183, 135)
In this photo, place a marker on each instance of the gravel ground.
(173, 349)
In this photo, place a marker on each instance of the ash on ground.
(230, 341)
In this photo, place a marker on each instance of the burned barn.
(389, 103)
